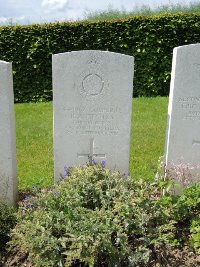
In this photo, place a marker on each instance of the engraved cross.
(91, 154)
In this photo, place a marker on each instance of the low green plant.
(7, 222)
(195, 233)
(186, 207)
(97, 217)
(187, 214)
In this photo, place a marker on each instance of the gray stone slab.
(92, 98)
(8, 176)
(183, 132)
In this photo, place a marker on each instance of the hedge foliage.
(149, 39)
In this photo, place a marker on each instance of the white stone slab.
(8, 176)
(92, 98)
(183, 132)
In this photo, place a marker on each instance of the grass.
(34, 132)
(35, 140)
(149, 120)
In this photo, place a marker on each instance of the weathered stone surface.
(92, 93)
(183, 132)
(8, 176)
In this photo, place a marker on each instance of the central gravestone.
(92, 96)
(183, 133)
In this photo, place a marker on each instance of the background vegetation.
(149, 39)
(113, 13)
(95, 216)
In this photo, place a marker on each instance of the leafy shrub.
(149, 39)
(195, 233)
(7, 222)
(187, 213)
(97, 217)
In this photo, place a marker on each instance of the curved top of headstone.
(4, 62)
(93, 52)
(189, 46)
(91, 71)
(186, 52)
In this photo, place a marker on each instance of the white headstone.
(183, 132)
(8, 176)
(92, 98)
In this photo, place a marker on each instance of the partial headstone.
(183, 132)
(8, 176)
(92, 98)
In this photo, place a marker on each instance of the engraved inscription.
(190, 107)
(92, 85)
(93, 60)
(92, 120)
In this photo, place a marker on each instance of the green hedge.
(149, 39)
